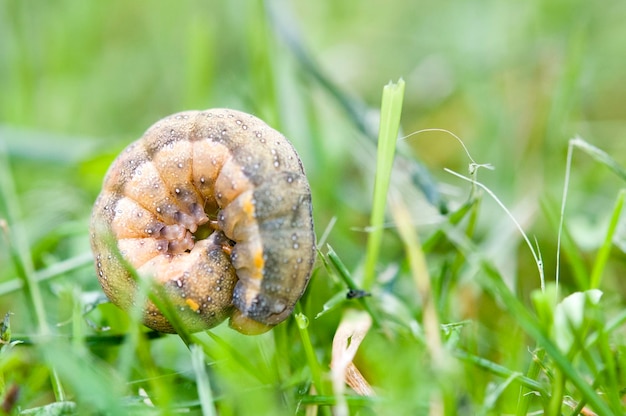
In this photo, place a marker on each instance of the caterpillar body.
(215, 206)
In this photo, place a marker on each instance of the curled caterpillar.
(215, 206)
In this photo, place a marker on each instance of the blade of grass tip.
(202, 381)
(341, 268)
(605, 249)
(599, 155)
(331, 224)
(391, 110)
(20, 254)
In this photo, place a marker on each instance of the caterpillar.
(214, 206)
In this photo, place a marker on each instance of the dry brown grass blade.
(357, 382)
(348, 337)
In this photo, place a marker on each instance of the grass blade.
(391, 109)
(202, 381)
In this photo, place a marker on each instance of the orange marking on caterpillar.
(192, 305)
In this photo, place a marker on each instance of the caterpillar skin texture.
(214, 206)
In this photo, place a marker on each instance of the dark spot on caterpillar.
(220, 216)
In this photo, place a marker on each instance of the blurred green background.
(79, 80)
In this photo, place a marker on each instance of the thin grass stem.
(316, 372)
(517, 224)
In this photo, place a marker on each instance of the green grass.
(480, 294)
